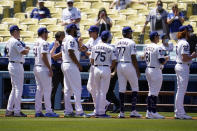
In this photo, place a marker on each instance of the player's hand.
(194, 55)
(167, 58)
(113, 74)
(80, 41)
(56, 44)
(50, 73)
(138, 74)
(27, 47)
(80, 67)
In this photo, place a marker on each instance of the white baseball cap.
(41, 0)
(70, 1)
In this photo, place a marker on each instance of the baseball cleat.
(103, 116)
(157, 116)
(72, 114)
(9, 113)
(82, 115)
(184, 116)
(51, 114)
(21, 114)
(39, 114)
(135, 114)
(92, 114)
(149, 115)
(121, 115)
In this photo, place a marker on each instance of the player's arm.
(46, 62)
(135, 64)
(74, 58)
(143, 29)
(112, 5)
(25, 52)
(76, 20)
(92, 61)
(57, 56)
(186, 57)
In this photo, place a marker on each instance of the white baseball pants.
(102, 76)
(154, 78)
(182, 73)
(44, 87)
(72, 83)
(126, 72)
(16, 72)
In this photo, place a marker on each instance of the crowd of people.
(58, 62)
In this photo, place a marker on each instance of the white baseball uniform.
(182, 73)
(125, 69)
(153, 53)
(103, 54)
(72, 77)
(16, 71)
(41, 72)
(90, 85)
(168, 48)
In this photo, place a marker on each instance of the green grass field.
(95, 124)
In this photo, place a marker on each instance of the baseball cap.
(70, 26)
(153, 34)
(102, 9)
(182, 28)
(162, 35)
(93, 28)
(190, 28)
(41, 0)
(70, 1)
(13, 28)
(42, 30)
(126, 29)
(105, 34)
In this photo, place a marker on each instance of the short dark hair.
(59, 34)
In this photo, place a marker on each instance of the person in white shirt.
(71, 15)
(154, 57)
(166, 45)
(16, 53)
(127, 70)
(184, 60)
(43, 74)
(103, 58)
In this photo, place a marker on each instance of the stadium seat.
(90, 11)
(55, 28)
(23, 27)
(3, 27)
(60, 4)
(5, 39)
(7, 3)
(137, 6)
(34, 28)
(137, 18)
(92, 16)
(182, 6)
(123, 23)
(48, 21)
(57, 16)
(29, 21)
(85, 34)
(98, 5)
(20, 16)
(10, 21)
(117, 35)
(29, 40)
(116, 28)
(51, 39)
(193, 23)
(55, 10)
(128, 11)
(82, 5)
(187, 1)
(195, 30)
(143, 12)
(1, 39)
(117, 17)
(27, 34)
(193, 18)
(49, 4)
(29, 10)
(83, 16)
(111, 11)
(87, 22)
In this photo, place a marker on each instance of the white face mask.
(70, 7)
(159, 7)
(166, 40)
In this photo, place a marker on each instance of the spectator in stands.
(123, 4)
(56, 65)
(175, 20)
(103, 21)
(158, 19)
(166, 45)
(192, 39)
(71, 15)
(41, 12)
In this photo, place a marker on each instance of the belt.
(153, 67)
(101, 65)
(124, 62)
(183, 63)
(39, 65)
(16, 62)
(66, 62)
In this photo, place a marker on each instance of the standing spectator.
(41, 12)
(103, 21)
(56, 65)
(16, 53)
(123, 4)
(175, 20)
(192, 39)
(71, 15)
(158, 19)
(184, 60)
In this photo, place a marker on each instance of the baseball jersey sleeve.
(185, 49)
(161, 53)
(19, 47)
(114, 53)
(92, 53)
(45, 48)
(72, 45)
(78, 14)
(133, 49)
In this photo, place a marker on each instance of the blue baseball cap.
(182, 28)
(14, 27)
(153, 34)
(190, 28)
(42, 30)
(70, 26)
(126, 29)
(105, 35)
(93, 28)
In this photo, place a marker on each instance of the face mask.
(191, 33)
(70, 8)
(159, 7)
(166, 40)
(75, 34)
(60, 42)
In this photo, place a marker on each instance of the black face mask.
(60, 42)
(75, 33)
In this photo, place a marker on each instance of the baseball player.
(127, 70)
(71, 69)
(184, 60)
(16, 53)
(103, 58)
(43, 74)
(154, 57)
(166, 45)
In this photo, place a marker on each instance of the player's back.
(125, 48)
(152, 54)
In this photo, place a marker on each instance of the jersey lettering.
(101, 55)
